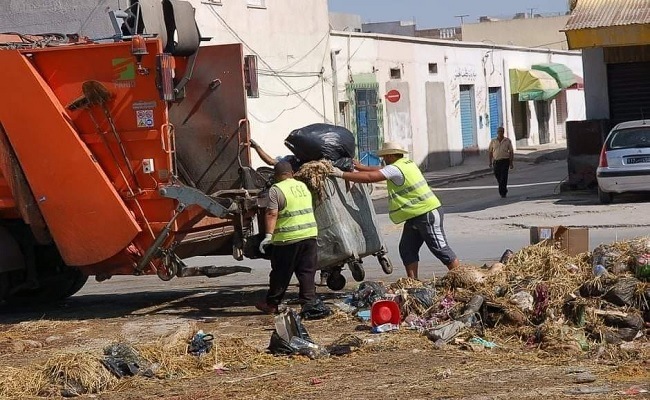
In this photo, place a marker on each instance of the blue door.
(367, 126)
(496, 112)
(467, 116)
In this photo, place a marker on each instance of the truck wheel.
(55, 280)
(358, 273)
(336, 281)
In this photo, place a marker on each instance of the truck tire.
(55, 280)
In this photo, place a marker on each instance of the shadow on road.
(194, 303)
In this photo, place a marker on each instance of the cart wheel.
(386, 265)
(358, 273)
(335, 281)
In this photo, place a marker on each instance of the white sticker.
(144, 118)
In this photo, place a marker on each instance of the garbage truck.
(123, 155)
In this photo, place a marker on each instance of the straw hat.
(391, 148)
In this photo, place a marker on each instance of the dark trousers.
(300, 258)
(501, 168)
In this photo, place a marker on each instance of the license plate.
(638, 160)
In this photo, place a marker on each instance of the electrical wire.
(280, 78)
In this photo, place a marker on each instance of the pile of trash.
(540, 295)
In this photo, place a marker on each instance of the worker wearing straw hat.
(410, 200)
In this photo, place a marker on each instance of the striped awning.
(531, 84)
(560, 72)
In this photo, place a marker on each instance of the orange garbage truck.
(121, 156)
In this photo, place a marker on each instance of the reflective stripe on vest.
(411, 199)
(296, 221)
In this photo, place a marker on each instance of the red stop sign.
(393, 96)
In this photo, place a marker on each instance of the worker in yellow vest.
(410, 200)
(291, 230)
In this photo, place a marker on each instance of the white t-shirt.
(394, 174)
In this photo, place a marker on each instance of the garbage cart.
(347, 231)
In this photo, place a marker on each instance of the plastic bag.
(287, 326)
(367, 293)
(123, 360)
(318, 141)
(200, 344)
(315, 310)
(623, 292)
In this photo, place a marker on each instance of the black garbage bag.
(623, 293)
(424, 296)
(124, 360)
(367, 293)
(317, 141)
(287, 325)
(315, 310)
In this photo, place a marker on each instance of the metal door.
(468, 116)
(629, 91)
(367, 126)
(496, 111)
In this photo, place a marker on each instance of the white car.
(624, 160)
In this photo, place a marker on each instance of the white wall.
(291, 38)
(480, 65)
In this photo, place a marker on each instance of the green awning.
(562, 74)
(364, 81)
(531, 84)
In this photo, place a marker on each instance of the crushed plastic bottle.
(599, 270)
(346, 308)
(385, 328)
(307, 348)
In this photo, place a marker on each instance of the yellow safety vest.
(411, 199)
(296, 221)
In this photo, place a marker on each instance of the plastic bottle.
(599, 270)
(385, 328)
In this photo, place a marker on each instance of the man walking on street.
(291, 229)
(501, 157)
(410, 200)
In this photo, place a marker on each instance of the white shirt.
(394, 174)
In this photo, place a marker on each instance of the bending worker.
(410, 200)
(291, 229)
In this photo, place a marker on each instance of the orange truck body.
(65, 165)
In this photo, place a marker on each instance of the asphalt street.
(479, 225)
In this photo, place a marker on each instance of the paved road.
(479, 224)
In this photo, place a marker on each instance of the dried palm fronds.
(79, 373)
(314, 174)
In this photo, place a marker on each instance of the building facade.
(537, 32)
(444, 100)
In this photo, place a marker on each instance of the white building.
(452, 95)
(444, 100)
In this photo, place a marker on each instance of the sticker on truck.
(144, 118)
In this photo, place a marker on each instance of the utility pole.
(461, 18)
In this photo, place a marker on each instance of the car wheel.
(605, 197)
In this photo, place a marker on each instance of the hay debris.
(22, 382)
(79, 373)
(314, 174)
(234, 353)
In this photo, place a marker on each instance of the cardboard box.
(572, 240)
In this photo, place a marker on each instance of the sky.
(441, 13)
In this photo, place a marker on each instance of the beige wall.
(533, 32)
